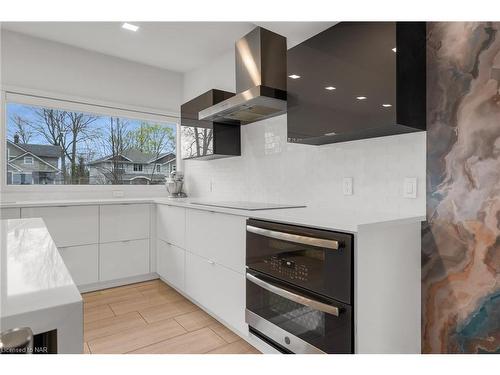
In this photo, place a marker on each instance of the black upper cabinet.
(206, 140)
(357, 80)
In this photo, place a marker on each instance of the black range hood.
(260, 81)
(357, 80)
(206, 140)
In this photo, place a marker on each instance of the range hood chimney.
(260, 81)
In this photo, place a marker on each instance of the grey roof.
(138, 156)
(47, 151)
(164, 158)
(135, 156)
(131, 176)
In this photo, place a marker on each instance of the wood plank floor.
(151, 317)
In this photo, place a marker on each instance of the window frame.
(51, 100)
(26, 158)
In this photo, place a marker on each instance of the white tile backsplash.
(272, 170)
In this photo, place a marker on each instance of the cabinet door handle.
(305, 240)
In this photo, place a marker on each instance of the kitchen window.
(54, 142)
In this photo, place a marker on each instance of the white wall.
(219, 74)
(39, 64)
(272, 170)
(55, 68)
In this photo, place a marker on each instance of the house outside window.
(158, 168)
(111, 149)
(22, 178)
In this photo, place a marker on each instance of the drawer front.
(171, 262)
(10, 213)
(123, 259)
(68, 225)
(120, 222)
(218, 289)
(172, 225)
(82, 263)
(219, 237)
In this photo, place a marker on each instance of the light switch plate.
(347, 186)
(410, 187)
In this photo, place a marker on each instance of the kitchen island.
(36, 289)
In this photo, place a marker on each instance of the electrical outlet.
(118, 194)
(347, 186)
(410, 187)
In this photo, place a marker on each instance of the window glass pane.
(51, 146)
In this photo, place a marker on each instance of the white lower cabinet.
(82, 263)
(217, 236)
(68, 225)
(171, 224)
(123, 259)
(120, 222)
(171, 263)
(218, 289)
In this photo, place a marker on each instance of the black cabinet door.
(344, 83)
(206, 140)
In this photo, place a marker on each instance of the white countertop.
(33, 274)
(306, 216)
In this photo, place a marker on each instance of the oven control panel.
(287, 268)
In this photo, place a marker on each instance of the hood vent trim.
(260, 81)
(255, 104)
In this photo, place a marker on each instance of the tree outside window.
(78, 148)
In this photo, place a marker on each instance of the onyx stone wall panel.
(461, 239)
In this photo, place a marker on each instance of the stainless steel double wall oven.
(299, 287)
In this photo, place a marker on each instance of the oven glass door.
(297, 322)
(302, 257)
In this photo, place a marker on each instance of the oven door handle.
(329, 309)
(305, 240)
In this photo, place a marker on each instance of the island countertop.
(36, 289)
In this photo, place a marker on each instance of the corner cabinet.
(202, 254)
(101, 245)
(357, 80)
(171, 263)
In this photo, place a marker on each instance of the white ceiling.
(176, 46)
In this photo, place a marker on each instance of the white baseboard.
(119, 282)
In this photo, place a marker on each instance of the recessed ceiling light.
(361, 97)
(394, 50)
(129, 26)
(330, 88)
(294, 76)
(386, 105)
